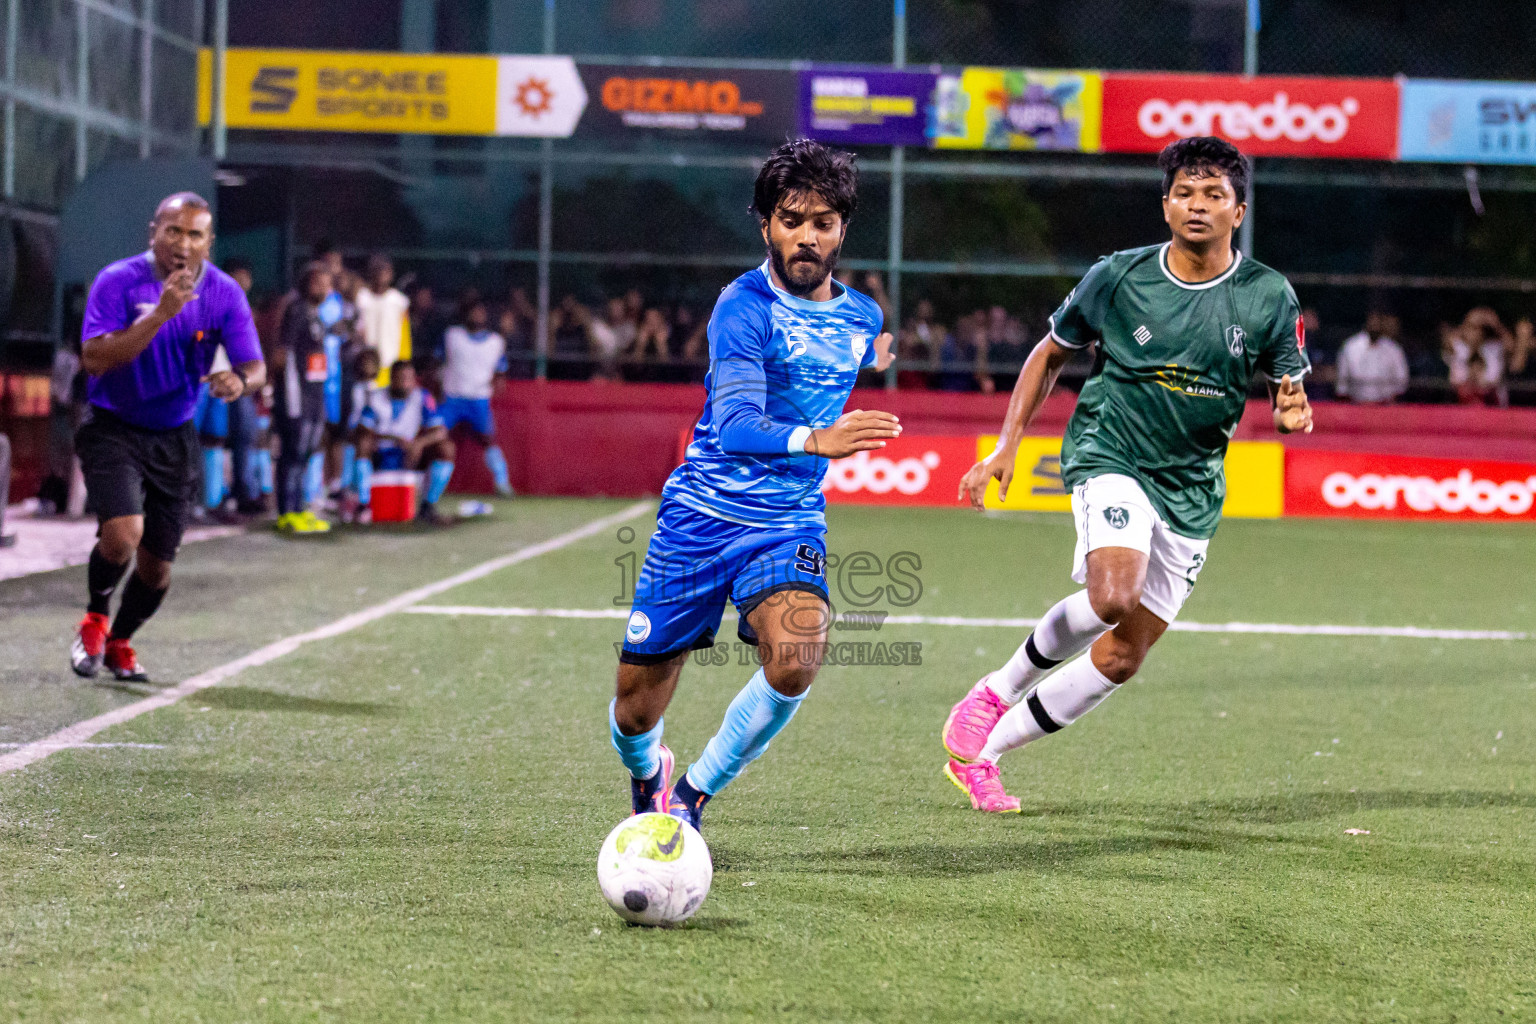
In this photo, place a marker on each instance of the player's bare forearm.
(1292, 411)
(1036, 379)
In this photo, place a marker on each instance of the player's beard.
(802, 275)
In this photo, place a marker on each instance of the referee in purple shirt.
(152, 325)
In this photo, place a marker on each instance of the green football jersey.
(1171, 373)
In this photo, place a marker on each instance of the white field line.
(76, 735)
(1275, 628)
(97, 746)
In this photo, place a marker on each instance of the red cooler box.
(394, 496)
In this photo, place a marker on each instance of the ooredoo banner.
(1268, 116)
(1365, 486)
(907, 471)
(638, 99)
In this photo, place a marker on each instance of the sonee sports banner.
(433, 94)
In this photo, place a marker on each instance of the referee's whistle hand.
(176, 294)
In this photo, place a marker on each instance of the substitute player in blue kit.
(742, 517)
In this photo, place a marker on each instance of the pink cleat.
(653, 794)
(970, 721)
(979, 781)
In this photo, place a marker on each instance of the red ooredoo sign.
(1365, 486)
(910, 470)
(1264, 116)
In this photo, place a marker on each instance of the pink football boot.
(979, 781)
(971, 721)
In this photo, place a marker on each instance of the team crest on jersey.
(858, 343)
(1235, 338)
(638, 629)
(1117, 517)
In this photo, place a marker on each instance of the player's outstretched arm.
(1036, 378)
(1293, 413)
(884, 357)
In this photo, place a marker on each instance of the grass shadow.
(247, 698)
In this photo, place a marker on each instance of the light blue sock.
(266, 473)
(364, 473)
(641, 754)
(754, 718)
(438, 475)
(496, 462)
(348, 464)
(314, 478)
(213, 477)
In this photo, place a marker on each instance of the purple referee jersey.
(158, 390)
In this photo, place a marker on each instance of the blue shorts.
(695, 561)
(211, 415)
(389, 458)
(474, 411)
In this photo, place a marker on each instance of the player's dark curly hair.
(1204, 156)
(802, 166)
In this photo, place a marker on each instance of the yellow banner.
(1255, 478)
(324, 90)
(1020, 108)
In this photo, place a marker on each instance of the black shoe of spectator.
(430, 516)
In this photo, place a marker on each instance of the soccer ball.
(654, 869)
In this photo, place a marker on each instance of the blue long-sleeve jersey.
(778, 363)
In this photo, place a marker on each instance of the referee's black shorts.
(133, 471)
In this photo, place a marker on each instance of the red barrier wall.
(566, 437)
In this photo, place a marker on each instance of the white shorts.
(1112, 511)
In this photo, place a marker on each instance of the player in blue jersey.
(742, 517)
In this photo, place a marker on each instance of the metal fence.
(964, 230)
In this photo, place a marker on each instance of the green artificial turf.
(401, 823)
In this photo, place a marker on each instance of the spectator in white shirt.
(382, 315)
(1372, 368)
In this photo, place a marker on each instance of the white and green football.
(654, 870)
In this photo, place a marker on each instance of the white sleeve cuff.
(797, 439)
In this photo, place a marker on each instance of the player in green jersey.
(1177, 332)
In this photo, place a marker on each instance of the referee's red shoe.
(124, 663)
(90, 644)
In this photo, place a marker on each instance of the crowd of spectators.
(627, 337)
(1475, 360)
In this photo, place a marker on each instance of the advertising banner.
(866, 108)
(1255, 472)
(1469, 122)
(437, 94)
(1263, 116)
(629, 100)
(1017, 108)
(907, 471)
(1366, 486)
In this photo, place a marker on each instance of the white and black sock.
(1068, 629)
(1056, 703)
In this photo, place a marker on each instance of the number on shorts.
(809, 560)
